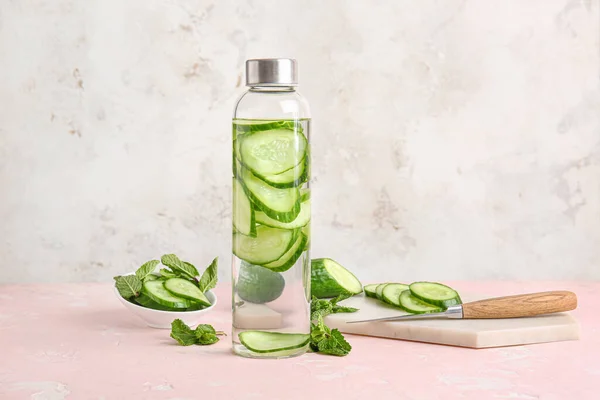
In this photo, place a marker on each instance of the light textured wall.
(452, 139)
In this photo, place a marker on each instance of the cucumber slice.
(243, 215)
(185, 289)
(435, 293)
(157, 292)
(391, 293)
(147, 302)
(269, 342)
(272, 152)
(379, 290)
(330, 279)
(290, 257)
(411, 304)
(301, 220)
(242, 126)
(304, 194)
(306, 232)
(295, 176)
(370, 290)
(268, 245)
(258, 285)
(280, 204)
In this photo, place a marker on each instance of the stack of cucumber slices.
(271, 212)
(416, 298)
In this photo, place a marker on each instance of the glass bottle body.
(271, 218)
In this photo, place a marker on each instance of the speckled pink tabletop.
(76, 341)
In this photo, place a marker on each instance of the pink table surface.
(76, 341)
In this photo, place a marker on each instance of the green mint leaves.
(322, 307)
(146, 269)
(209, 277)
(326, 341)
(178, 266)
(322, 339)
(204, 334)
(128, 286)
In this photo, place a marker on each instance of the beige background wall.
(452, 139)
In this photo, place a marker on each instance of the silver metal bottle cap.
(271, 72)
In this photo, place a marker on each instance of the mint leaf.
(146, 269)
(184, 335)
(128, 285)
(167, 273)
(209, 277)
(342, 309)
(173, 262)
(335, 344)
(206, 334)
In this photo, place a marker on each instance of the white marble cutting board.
(464, 333)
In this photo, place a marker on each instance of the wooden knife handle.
(522, 305)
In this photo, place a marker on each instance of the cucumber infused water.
(271, 213)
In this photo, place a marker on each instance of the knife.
(522, 305)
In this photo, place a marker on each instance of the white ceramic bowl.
(162, 319)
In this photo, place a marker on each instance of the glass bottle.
(271, 213)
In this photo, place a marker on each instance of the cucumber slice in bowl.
(156, 291)
(290, 257)
(243, 217)
(270, 342)
(391, 293)
(435, 293)
(279, 204)
(268, 245)
(370, 290)
(147, 302)
(185, 289)
(272, 152)
(330, 279)
(301, 220)
(411, 304)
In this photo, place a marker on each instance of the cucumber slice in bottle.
(156, 291)
(301, 220)
(268, 245)
(290, 178)
(330, 279)
(243, 217)
(258, 284)
(411, 304)
(185, 289)
(272, 152)
(391, 293)
(379, 290)
(290, 257)
(269, 342)
(370, 290)
(435, 293)
(280, 204)
(304, 194)
(243, 126)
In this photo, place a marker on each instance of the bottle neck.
(272, 88)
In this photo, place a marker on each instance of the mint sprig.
(326, 341)
(323, 307)
(204, 334)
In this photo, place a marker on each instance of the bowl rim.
(129, 303)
